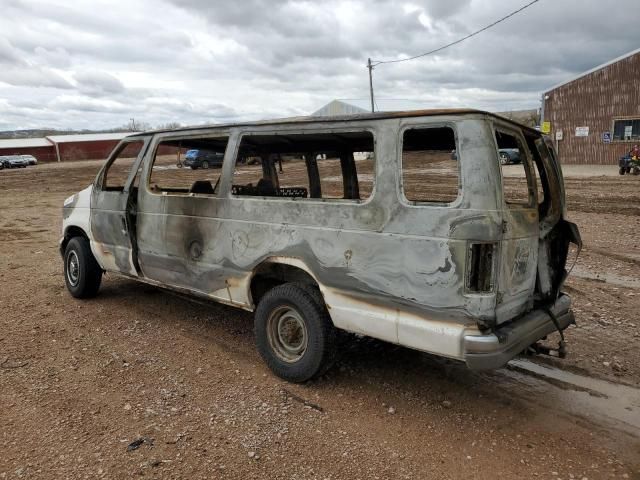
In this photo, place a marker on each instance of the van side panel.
(387, 268)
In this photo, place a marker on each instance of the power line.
(379, 62)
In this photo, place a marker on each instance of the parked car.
(371, 248)
(506, 155)
(197, 158)
(31, 160)
(14, 161)
(509, 156)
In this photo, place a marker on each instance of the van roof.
(344, 118)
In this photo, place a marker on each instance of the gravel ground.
(139, 381)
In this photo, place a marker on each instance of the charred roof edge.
(339, 118)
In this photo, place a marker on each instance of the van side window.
(116, 174)
(512, 157)
(309, 165)
(430, 171)
(185, 166)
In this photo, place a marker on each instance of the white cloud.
(98, 84)
(95, 64)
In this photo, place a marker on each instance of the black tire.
(298, 359)
(82, 274)
(636, 170)
(621, 171)
(205, 164)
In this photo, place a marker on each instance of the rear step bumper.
(493, 350)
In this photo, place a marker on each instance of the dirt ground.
(81, 380)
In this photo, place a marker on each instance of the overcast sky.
(96, 64)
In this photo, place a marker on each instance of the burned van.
(364, 224)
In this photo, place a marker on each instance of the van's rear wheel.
(82, 274)
(294, 333)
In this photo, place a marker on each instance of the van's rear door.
(520, 225)
(556, 233)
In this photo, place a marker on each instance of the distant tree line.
(132, 126)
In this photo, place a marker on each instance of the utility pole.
(370, 67)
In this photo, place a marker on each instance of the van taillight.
(480, 267)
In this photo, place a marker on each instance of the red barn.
(41, 148)
(92, 146)
(60, 148)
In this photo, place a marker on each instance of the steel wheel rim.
(503, 159)
(205, 164)
(73, 268)
(287, 334)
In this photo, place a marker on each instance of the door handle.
(124, 224)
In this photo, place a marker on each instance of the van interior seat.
(266, 188)
(202, 186)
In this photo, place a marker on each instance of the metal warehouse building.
(40, 148)
(594, 118)
(60, 148)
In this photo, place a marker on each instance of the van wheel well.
(69, 234)
(269, 275)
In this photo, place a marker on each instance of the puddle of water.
(602, 402)
(611, 278)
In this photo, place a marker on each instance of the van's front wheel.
(82, 274)
(294, 333)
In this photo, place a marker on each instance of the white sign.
(628, 131)
(559, 134)
(582, 131)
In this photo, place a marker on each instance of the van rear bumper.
(493, 350)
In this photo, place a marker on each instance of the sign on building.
(628, 131)
(546, 127)
(559, 135)
(606, 137)
(582, 131)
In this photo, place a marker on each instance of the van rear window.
(515, 182)
(430, 171)
(306, 166)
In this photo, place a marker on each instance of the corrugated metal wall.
(42, 154)
(594, 101)
(92, 150)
